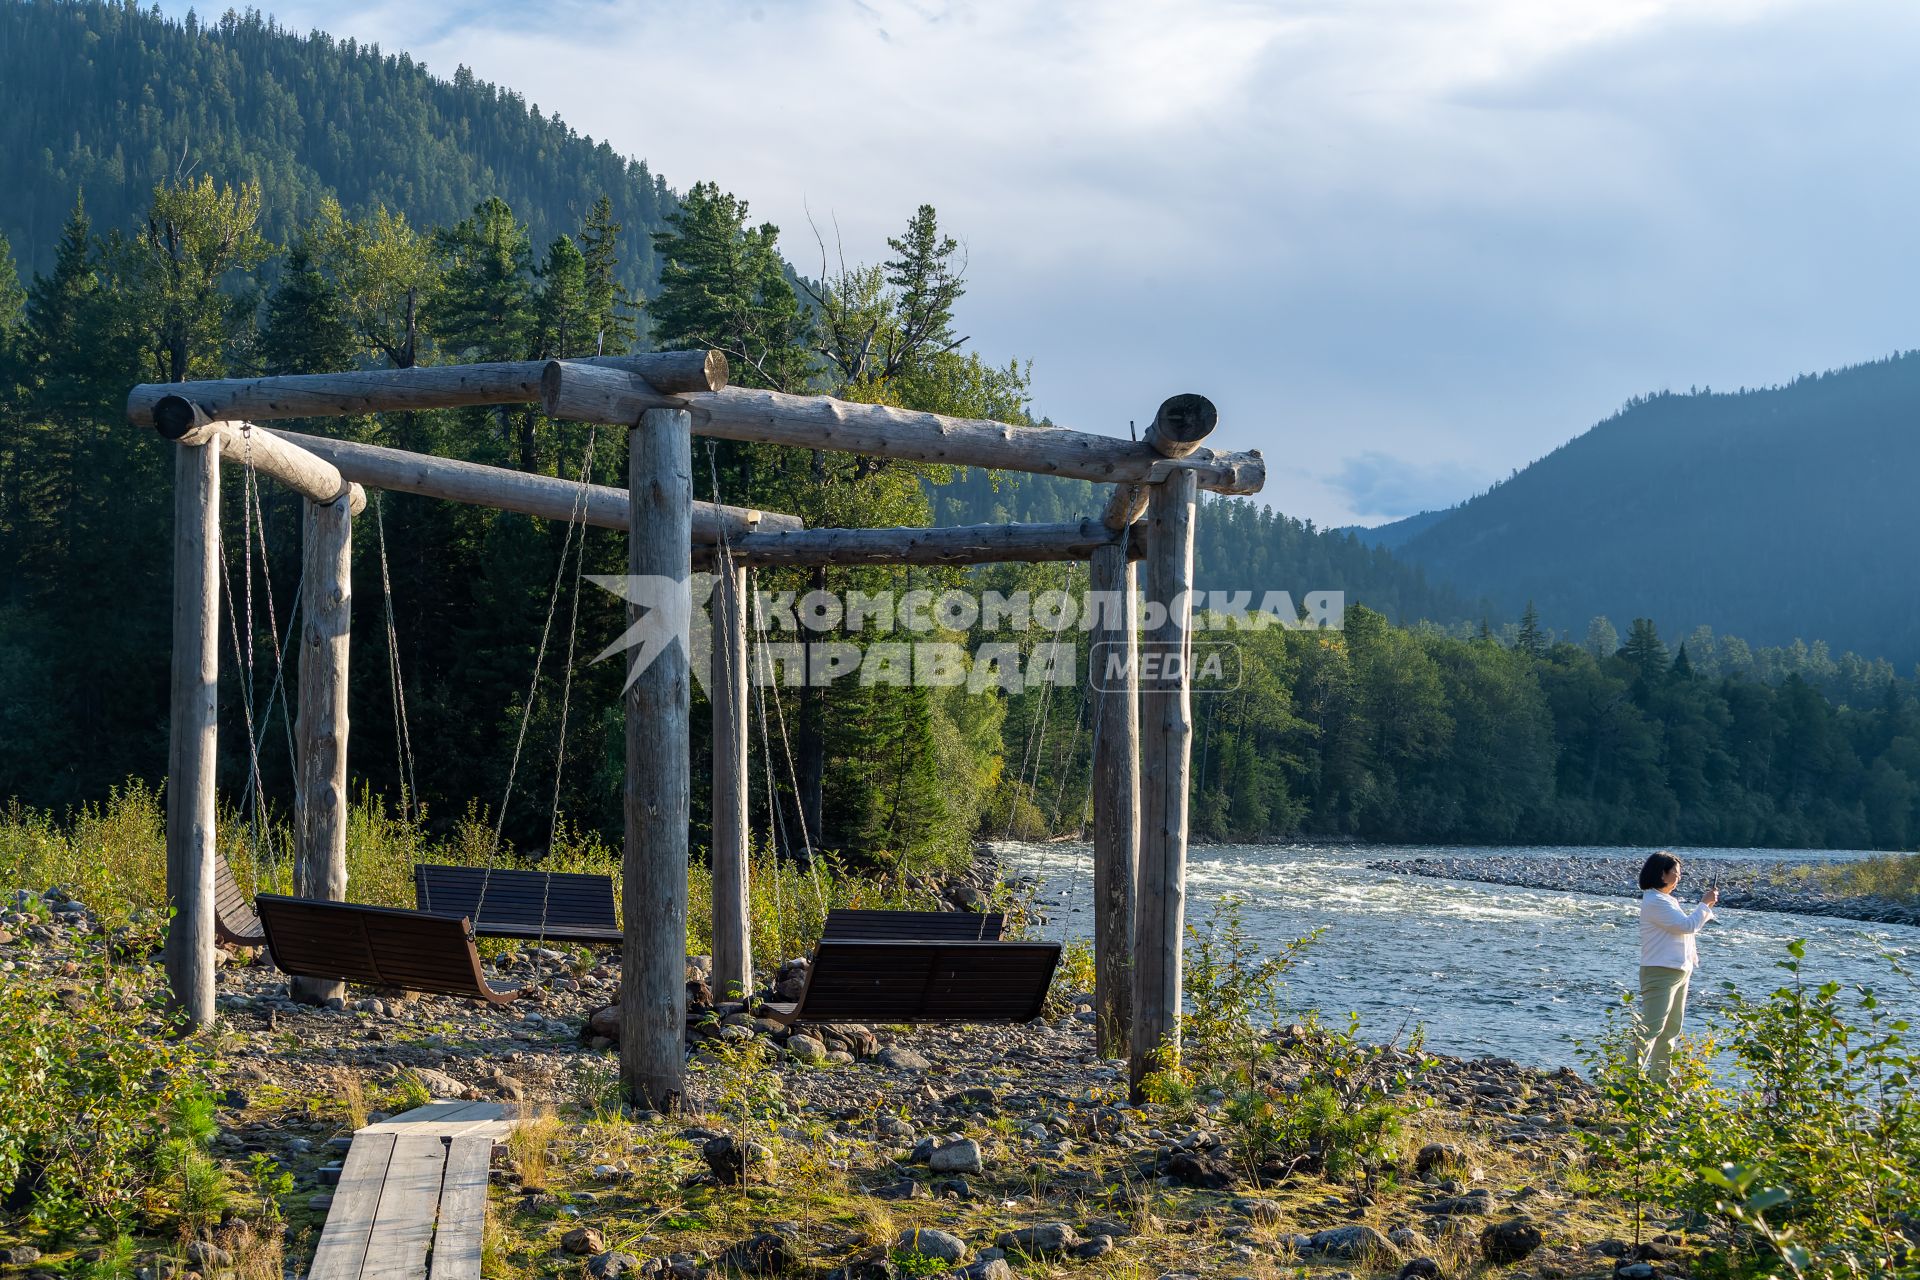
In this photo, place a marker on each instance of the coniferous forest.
(485, 232)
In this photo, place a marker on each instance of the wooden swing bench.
(865, 980)
(376, 946)
(554, 906)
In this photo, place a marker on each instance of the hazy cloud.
(1451, 231)
(1380, 487)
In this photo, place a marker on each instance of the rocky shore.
(1749, 884)
(858, 1153)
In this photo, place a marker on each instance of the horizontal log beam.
(310, 476)
(1179, 425)
(589, 393)
(548, 497)
(318, 395)
(965, 544)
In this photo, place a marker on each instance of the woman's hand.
(1712, 897)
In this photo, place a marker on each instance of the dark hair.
(1654, 874)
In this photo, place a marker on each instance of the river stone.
(940, 1246)
(1356, 1242)
(805, 1049)
(1510, 1241)
(988, 1269)
(605, 1022)
(1474, 1203)
(610, 1266)
(1041, 1240)
(898, 1059)
(1088, 1250)
(905, 1189)
(439, 1083)
(1438, 1155)
(1420, 1269)
(204, 1255)
(583, 1240)
(957, 1157)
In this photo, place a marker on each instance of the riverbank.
(1747, 884)
(869, 1152)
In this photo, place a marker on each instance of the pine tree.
(563, 308)
(1682, 666)
(722, 285)
(305, 331)
(1644, 648)
(928, 285)
(609, 308)
(484, 308)
(1531, 640)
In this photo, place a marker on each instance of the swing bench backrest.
(234, 921)
(375, 946)
(865, 981)
(915, 926)
(559, 906)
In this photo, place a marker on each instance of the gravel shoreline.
(1748, 884)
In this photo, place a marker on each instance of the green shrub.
(99, 1108)
(1812, 1163)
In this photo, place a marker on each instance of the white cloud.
(1451, 233)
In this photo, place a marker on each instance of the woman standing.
(1667, 959)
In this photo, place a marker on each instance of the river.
(1485, 969)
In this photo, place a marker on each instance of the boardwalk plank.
(356, 1202)
(403, 1227)
(463, 1210)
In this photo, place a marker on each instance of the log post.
(1116, 793)
(193, 731)
(1179, 425)
(1166, 740)
(320, 736)
(727, 691)
(653, 984)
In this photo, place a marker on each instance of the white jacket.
(1667, 929)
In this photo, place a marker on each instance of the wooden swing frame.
(1141, 752)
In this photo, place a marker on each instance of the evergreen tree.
(484, 309)
(563, 309)
(1531, 641)
(305, 331)
(722, 285)
(608, 304)
(1645, 650)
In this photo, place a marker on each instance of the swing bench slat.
(558, 906)
(853, 980)
(375, 946)
(914, 926)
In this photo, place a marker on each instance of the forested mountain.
(1239, 545)
(112, 99)
(1774, 514)
(1483, 730)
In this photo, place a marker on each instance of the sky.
(1406, 246)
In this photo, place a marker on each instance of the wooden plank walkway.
(413, 1188)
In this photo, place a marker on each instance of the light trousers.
(1663, 1008)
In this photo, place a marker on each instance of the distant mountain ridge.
(1239, 545)
(110, 99)
(1773, 514)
